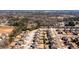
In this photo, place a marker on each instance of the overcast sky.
(39, 4)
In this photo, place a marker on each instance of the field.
(6, 29)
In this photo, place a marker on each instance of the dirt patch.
(6, 29)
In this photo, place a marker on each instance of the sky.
(39, 4)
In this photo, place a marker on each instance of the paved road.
(29, 39)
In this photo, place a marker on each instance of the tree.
(71, 23)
